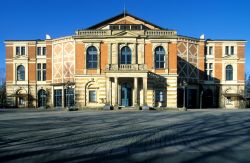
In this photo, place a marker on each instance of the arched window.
(20, 73)
(125, 55)
(92, 57)
(159, 57)
(229, 72)
(42, 98)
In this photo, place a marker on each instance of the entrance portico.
(124, 89)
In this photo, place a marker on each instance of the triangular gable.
(124, 18)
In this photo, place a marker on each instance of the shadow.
(201, 89)
(147, 136)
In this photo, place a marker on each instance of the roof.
(121, 15)
(218, 40)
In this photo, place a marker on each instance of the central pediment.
(124, 19)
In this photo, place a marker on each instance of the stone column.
(63, 98)
(145, 90)
(107, 90)
(134, 55)
(116, 93)
(136, 92)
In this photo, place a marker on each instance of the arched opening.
(20, 73)
(126, 56)
(229, 72)
(159, 57)
(126, 94)
(92, 57)
(42, 98)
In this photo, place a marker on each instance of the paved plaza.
(125, 136)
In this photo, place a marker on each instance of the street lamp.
(184, 85)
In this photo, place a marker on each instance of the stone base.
(145, 107)
(136, 107)
(183, 109)
(107, 107)
(116, 107)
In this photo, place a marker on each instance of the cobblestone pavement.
(125, 136)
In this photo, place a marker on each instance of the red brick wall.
(172, 60)
(79, 58)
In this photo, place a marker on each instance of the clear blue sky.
(32, 19)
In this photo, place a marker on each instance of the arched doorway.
(42, 98)
(208, 99)
(126, 94)
(21, 98)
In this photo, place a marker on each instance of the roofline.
(22, 40)
(121, 15)
(225, 40)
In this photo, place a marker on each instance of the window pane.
(210, 50)
(20, 73)
(44, 65)
(39, 75)
(22, 50)
(232, 50)
(92, 96)
(44, 75)
(39, 66)
(91, 57)
(44, 50)
(17, 50)
(58, 97)
(227, 50)
(38, 50)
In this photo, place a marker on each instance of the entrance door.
(126, 94)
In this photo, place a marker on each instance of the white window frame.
(20, 46)
(208, 69)
(41, 70)
(229, 45)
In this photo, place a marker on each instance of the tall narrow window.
(20, 73)
(69, 99)
(92, 96)
(44, 51)
(209, 71)
(42, 98)
(41, 71)
(159, 57)
(58, 98)
(126, 55)
(44, 71)
(229, 72)
(18, 51)
(92, 57)
(39, 50)
(22, 50)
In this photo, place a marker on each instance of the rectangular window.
(22, 50)
(18, 52)
(209, 50)
(44, 71)
(69, 99)
(232, 50)
(209, 71)
(39, 75)
(229, 50)
(92, 96)
(39, 50)
(41, 72)
(44, 50)
(58, 98)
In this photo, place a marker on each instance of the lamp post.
(184, 85)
